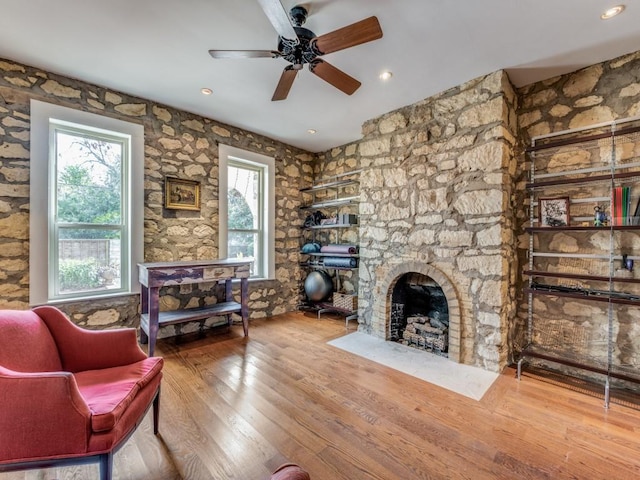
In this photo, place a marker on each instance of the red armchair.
(69, 395)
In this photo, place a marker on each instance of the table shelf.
(201, 313)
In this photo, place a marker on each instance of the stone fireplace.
(437, 201)
(394, 283)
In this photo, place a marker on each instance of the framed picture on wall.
(181, 194)
(554, 212)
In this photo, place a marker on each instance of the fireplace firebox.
(419, 314)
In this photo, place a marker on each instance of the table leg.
(244, 303)
(154, 312)
(228, 293)
(144, 309)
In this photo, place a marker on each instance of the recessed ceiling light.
(612, 12)
(206, 91)
(311, 131)
(386, 75)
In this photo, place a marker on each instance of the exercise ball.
(318, 285)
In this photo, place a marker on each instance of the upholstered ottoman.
(290, 471)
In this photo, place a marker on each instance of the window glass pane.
(88, 179)
(244, 244)
(244, 198)
(88, 260)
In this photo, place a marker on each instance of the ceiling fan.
(300, 46)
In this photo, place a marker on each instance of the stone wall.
(600, 93)
(177, 143)
(440, 188)
(437, 187)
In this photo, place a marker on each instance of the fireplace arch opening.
(419, 315)
(389, 274)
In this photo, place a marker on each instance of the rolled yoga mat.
(344, 262)
(348, 249)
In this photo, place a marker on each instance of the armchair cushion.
(110, 391)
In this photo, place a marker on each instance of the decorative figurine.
(599, 216)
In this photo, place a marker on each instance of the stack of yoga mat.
(342, 261)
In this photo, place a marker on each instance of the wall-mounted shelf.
(583, 292)
(331, 226)
(324, 267)
(337, 202)
(334, 196)
(320, 254)
(334, 184)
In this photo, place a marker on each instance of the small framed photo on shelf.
(554, 212)
(181, 194)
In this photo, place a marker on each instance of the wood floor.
(235, 408)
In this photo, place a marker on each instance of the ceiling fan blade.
(284, 85)
(334, 76)
(355, 34)
(243, 53)
(279, 18)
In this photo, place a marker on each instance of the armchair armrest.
(82, 349)
(43, 414)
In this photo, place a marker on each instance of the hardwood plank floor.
(236, 408)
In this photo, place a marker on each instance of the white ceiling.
(158, 50)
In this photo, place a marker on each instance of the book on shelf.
(621, 206)
(636, 215)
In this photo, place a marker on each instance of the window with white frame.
(247, 185)
(86, 204)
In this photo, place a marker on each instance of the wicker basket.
(346, 301)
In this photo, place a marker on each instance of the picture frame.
(553, 212)
(180, 194)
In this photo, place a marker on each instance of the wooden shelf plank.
(597, 278)
(191, 314)
(336, 184)
(321, 254)
(315, 306)
(581, 228)
(338, 202)
(335, 225)
(325, 267)
(583, 139)
(577, 180)
(533, 352)
(589, 296)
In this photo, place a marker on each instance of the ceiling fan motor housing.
(301, 50)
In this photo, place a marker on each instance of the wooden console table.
(154, 276)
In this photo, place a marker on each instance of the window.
(86, 204)
(247, 208)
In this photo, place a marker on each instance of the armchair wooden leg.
(106, 466)
(156, 412)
